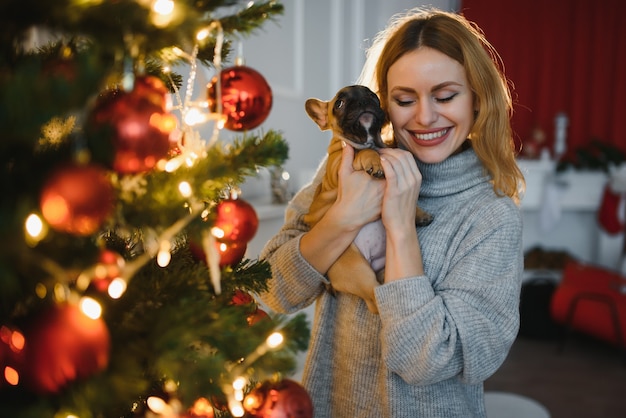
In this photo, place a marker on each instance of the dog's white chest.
(371, 241)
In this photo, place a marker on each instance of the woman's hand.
(402, 188)
(360, 196)
(403, 183)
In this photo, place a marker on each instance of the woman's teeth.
(432, 135)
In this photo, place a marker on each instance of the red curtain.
(561, 56)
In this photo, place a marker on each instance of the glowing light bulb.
(236, 409)
(217, 232)
(202, 34)
(11, 376)
(117, 288)
(274, 340)
(35, 229)
(157, 405)
(163, 7)
(195, 116)
(185, 189)
(90, 307)
(164, 256)
(240, 383)
(172, 165)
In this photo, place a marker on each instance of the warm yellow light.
(90, 307)
(202, 34)
(172, 165)
(274, 340)
(11, 376)
(217, 232)
(34, 225)
(185, 189)
(240, 383)
(157, 405)
(17, 341)
(163, 7)
(195, 116)
(164, 256)
(191, 159)
(236, 409)
(117, 288)
(35, 228)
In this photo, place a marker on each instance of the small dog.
(354, 115)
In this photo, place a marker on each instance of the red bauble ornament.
(152, 89)
(246, 97)
(237, 219)
(62, 345)
(257, 316)
(283, 399)
(140, 124)
(77, 199)
(230, 253)
(241, 298)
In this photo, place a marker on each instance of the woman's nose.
(425, 114)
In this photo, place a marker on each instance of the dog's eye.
(339, 104)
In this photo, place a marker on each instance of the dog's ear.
(318, 111)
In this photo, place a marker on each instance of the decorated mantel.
(574, 201)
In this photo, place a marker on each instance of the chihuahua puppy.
(354, 115)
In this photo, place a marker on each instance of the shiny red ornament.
(77, 199)
(283, 399)
(241, 298)
(139, 122)
(257, 316)
(246, 97)
(237, 219)
(63, 345)
(230, 253)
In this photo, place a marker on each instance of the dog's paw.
(375, 171)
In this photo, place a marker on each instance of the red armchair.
(591, 300)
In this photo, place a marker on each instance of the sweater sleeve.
(295, 284)
(463, 321)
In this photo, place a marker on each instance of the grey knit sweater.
(438, 336)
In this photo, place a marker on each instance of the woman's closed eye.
(404, 102)
(446, 99)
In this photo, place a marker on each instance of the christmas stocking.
(612, 211)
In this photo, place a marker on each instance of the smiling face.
(430, 104)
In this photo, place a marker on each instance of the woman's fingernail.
(343, 144)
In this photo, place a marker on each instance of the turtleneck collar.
(457, 173)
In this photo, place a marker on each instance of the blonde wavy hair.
(452, 34)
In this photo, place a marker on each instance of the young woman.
(448, 307)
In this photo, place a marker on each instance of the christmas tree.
(124, 287)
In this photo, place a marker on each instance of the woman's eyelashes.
(439, 99)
